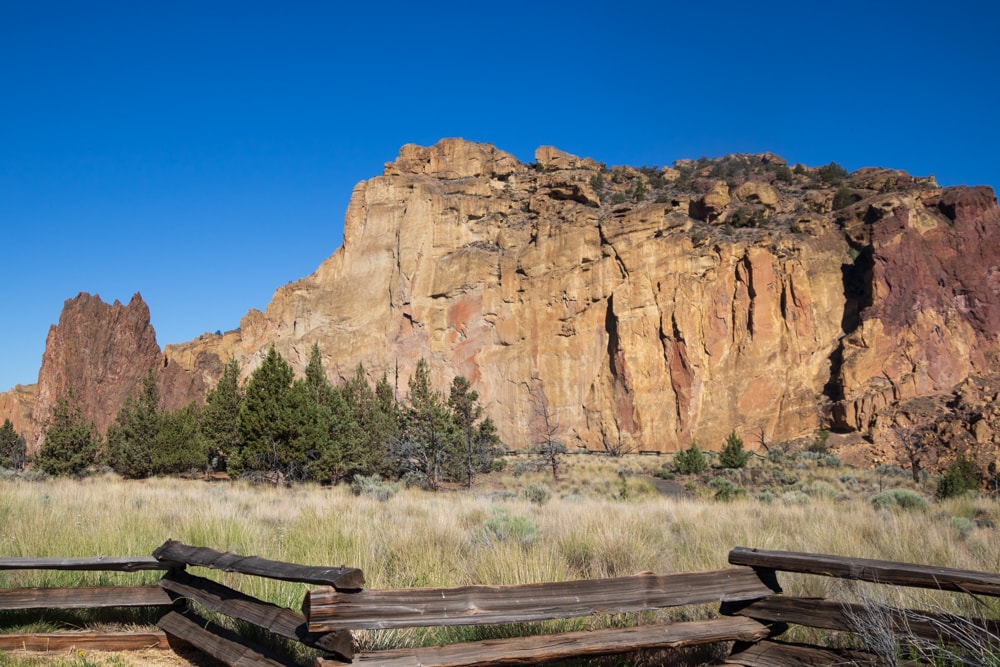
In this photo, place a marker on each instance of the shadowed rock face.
(626, 298)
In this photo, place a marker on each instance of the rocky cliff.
(646, 307)
(99, 351)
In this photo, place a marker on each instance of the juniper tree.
(267, 420)
(220, 420)
(179, 445)
(13, 450)
(427, 444)
(70, 443)
(479, 442)
(130, 438)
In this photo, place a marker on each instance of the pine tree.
(733, 455)
(268, 420)
(13, 451)
(70, 443)
(220, 421)
(179, 445)
(479, 441)
(427, 445)
(130, 438)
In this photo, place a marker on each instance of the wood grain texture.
(327, 609)
(855, 617)
(779, 654)
(865, 569)
(225, 646)
(234, 604)
(92, 641)
(341, 578)
(98, 563)
(84, 597)
(546, 648)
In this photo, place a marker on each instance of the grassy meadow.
(603, 518)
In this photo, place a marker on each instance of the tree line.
(278, 427)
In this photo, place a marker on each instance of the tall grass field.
(603, 518)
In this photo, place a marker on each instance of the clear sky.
(203, 153)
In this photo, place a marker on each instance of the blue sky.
(203, 153)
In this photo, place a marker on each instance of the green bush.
(690, 461)
(820, 444)
(537, 493)
(373, 486)
(504, 526)
(843, 198)
(901, 498)
(833, 174)
(733, 455)
(961, 476)
(726, 490)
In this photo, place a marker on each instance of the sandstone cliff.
(646, 307)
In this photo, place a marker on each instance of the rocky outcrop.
(101, 352)
(649, 307)
(930, 315)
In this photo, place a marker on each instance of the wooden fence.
(753, 610)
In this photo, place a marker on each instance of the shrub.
(961, 476)
(901, 498)
(373, 486)
(726, 490)
(733, 455)
(537, 493)
(506, 527)
(965, 527)
(765, 496)
(690, 461)
(832, 173)
(820, 443)
(843, 198)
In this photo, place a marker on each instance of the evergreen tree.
(13, 450)
(690, 461)
(384, 426)
(427, 445)
(961, 476)
(220, 422)
(70, 443)
(733, 455)
(179, 445)
(479, 442)
(319, 388)
(268, 420)
(130, 438)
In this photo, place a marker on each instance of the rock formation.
(647, 307)
(101, 352)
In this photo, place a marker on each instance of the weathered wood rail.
(753, 611)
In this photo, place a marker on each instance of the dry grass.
(593, 524)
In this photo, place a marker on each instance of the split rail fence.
(753, 611)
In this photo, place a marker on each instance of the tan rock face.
(755, 191)
(511, 277)
(645, 326)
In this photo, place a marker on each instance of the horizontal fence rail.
(875, 571)
(753, 610)
(481, 605)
